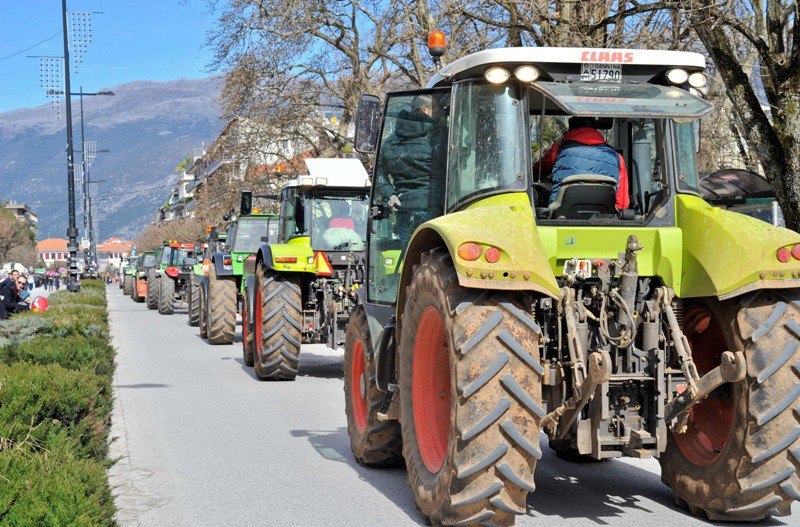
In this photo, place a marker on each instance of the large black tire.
(752, 471)
(127, 281)
(166, 295)
(222, 303)
(278, 321)
(478, 469)
(203, 313)
(247, 335)
(152, 289)
(194, 303)
(374, 442)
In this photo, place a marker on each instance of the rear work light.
(172, 271)
(784, 255)
(285, 259)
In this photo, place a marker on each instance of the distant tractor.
(176, 277)
(222, 283)
(617, 312)
(126, 275)
(197, 305)
(143, 264)
(302, 287)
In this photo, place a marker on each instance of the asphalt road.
(201, 442)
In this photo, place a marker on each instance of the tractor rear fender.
(218, 261)
(726, 254)
(284, 257)
(504, 222)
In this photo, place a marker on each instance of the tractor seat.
(584, 195)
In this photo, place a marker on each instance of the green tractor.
(622, 320)
(214, 243)
(221, 286)
(302, 289)
(128, 277)
(175, 277)
(141, 268)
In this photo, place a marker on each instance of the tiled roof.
(52, 244)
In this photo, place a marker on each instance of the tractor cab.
(327, 209)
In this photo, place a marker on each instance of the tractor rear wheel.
(203, 313)
(374, 442)
(247, 335)
(470, 394)
(152, 290)
(126, 285)
(738, 459)
(278, 325)
(194, 303)
(166, 295)
(221, 308)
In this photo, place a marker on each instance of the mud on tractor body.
(302, 288)
(492, 309)
(223, 280)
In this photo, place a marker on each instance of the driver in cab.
(583, 150)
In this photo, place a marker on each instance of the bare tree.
(186, 231)
(17, 241)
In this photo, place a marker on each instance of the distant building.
(24, 214)
(112, 251)
(53, 251)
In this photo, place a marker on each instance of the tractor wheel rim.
(710, 421)
(357, 370)
(257, 322)
(430, 389)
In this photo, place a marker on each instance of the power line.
(26, 49)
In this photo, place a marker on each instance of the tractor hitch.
(732, 368)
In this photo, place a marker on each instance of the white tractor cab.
(314, 268)
(328, 205)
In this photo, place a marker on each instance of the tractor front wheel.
(126, 284)
(374, 442)
(166, 295)
(221, 308)
(194, 303)
(152, 290)
(278, 325)
(203, 313)
(739, 456)
(470, 389)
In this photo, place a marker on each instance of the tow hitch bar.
(732, 368)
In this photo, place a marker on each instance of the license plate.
(601, 72)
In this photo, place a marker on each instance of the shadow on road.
(334, 445)
(320, 366)
(143, 385)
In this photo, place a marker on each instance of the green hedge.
(56, 370)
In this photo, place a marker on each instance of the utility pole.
(74, 281)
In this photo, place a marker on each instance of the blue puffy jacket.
(577, 158)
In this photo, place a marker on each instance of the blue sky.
(155, 40)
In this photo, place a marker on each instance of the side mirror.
(246, 205)
(368, 123)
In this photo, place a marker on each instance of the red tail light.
(796, 252)
(285, 259)
(172, 271)
(227, 261)
(784, 255)
(492, 254)
(469, 251)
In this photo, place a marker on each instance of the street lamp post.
(88, 227)
(73, 283)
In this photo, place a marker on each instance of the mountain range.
(148, 128)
